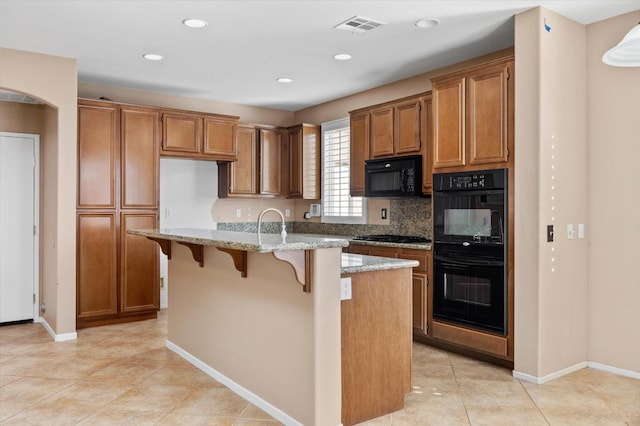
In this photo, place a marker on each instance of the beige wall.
(340, 108)
(551, 171)
(614, 205)
(22, 118)
(263, 332)
(53, 80)
(247, 114)
(577, 127)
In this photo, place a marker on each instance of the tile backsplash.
(408, 216)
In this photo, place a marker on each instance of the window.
(337, 205)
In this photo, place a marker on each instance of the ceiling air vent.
(358, 24)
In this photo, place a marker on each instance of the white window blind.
(338, 205)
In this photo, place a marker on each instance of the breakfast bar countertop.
(246, 241)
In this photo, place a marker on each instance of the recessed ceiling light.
(152, 56)
(342, 56)
(427, 23)
(194, 23)
(285, 80)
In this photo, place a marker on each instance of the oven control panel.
(460, 181)
(467, 182)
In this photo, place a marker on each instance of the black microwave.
(393, 177)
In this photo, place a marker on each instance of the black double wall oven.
(470, 249)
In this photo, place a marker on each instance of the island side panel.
(376, 344)
(263, 332)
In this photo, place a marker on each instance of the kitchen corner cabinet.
(359, 152)
(421, 300)
(303, 161)
(257, 171)
(118, 189)
(199, 136)
(473, 117)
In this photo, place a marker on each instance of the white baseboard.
(58, 337)
(614, 370)
(549, 377)
(569, 370)
(273, 411)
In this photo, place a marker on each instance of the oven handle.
(468, 261)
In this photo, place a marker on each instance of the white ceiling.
(248, 44)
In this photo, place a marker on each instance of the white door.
(18, 231)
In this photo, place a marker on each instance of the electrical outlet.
(287, 212)
(238, 213)
(168, 213)
(345, 288)
(549, 233)
(161, 282)
(383, 213)
(570, 231)
(581, 230)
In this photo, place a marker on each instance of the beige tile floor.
(124, 375)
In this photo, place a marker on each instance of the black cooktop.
(388, 238)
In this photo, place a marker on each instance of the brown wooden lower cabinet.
(139, 277)
(486, 342)
(97, 265)
(117, 273)
(421, 279)
(376, 344)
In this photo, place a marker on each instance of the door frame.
(36, 217)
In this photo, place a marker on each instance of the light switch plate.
(314, 209)
(345, 288)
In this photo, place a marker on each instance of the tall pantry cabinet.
(118, 189)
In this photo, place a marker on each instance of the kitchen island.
(263, 315)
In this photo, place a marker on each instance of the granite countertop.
(247, 241)
(352, 240)
(354, 263)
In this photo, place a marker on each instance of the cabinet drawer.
(384, 251)
(422, 259)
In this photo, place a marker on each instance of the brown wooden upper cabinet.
(427, 143)
(473, 117)
(359, 153)
(395, 129)
(257, 172)
(304, 161)
(139, 158)
(98, 150)
(199, 136)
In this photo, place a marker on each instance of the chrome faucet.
(283, 233)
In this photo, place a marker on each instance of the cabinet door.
(270, 160)
(139, 282)
(407, 122)
(427, 145)
(140, 157)
(96, 265)
(220, 139)
(242, 173)
(382, 132)
(449, 123)
(419, 301)
(487, 115)
(295, 162)
(97, 153)
(359, 130)
(181, 134)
